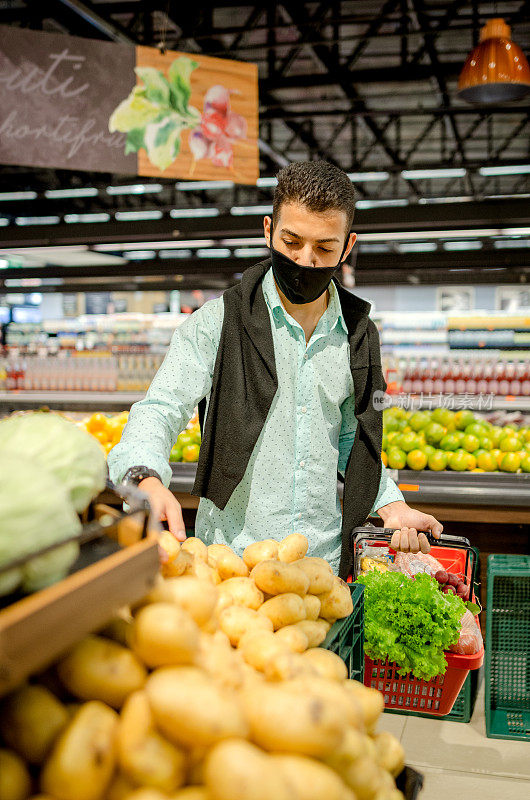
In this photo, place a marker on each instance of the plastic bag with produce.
(412, 564)
(470, 639)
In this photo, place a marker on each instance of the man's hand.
(164, 506)
(408, 521)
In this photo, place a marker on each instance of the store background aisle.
(457, 759)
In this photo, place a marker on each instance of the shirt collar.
(333, 313)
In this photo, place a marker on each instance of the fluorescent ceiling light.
(96, 217)
(515, 231)
(381, 203)
(141, 255)
(215, 252)
(463, 245)
(421, 174)
(521, 169)
(250, 252)
(191, 186)
(460, 269)
(55, 194)
(242, 242)
(417, 247)
(240, 211)
(175, 253)
(508, 244)
(37, 220)
(124, 216)
(424, 201)
(397, 236)
(521, 196)
(264, 182)
(180, 213)
(18, 195)
(3, 222)
(374, 248)
(365, 177)
(171, 245)
(136, 188)
(3, 263)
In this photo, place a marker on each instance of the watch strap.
(136, 475)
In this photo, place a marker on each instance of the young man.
(287, 363)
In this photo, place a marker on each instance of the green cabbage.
(57, 444)
(35, 511)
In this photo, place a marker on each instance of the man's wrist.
(391, 508)
(135, 475)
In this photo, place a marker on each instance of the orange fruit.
(525, 462)
(458, 462)
(471, 461)
(437, 461)
(190, 452)
(449, 442)
(470, 443)
(396, 458)
(487, 462)
(434, 432)
(509, 444)
(384, 458)
(417, 460)
(510, 462)
(419, 420)
(463, 418)
(97, 422)
(409, 441)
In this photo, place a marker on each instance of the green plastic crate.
(346, 636)
(507, 691)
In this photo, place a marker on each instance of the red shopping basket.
(437, 696)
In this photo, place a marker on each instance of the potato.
(293, 637)
(293, 547)
(15, 781)
(82, 761)
(352, 747)
(196, 548)
(146, 793)
(191, 710)
(276, 577)
(165, 634)
(206, 573)
(312, 606)
(284, 609)
(195, 767)
(336, 603)
(370, 700)
(219, 661)
(214, 551)
(311, 780)
(390, 754)
(290, 721)
(242, 592)
(235, 621)
(30, 721)
(331, 692)
(314, 630)
(197, 597)
(365, 777)
(192, 793)
(119, 788)
(319, 573)
(100, 669)
(237, 770)
(326, 624)
(169, 544)
(146, 758)
(259, 647)
(260, 551)
(287, 666)
(119, 628)
(231, 566)
(327, 664)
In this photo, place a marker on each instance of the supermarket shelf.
(441, 488)
(413, 401)
(69, 401)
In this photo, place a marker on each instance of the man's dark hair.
(318, 185)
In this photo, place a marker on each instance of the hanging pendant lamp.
(496, 71)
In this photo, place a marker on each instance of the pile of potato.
(212, 688)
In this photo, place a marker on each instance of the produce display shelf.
(69, 401)
(346, 638)
(117, 565)
(460, 401)
(445, 488)
(507, 695)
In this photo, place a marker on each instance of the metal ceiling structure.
(369, 85)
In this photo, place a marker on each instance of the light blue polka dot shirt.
(290, 484)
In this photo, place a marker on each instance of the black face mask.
(301, 284)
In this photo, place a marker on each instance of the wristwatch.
(135, 475)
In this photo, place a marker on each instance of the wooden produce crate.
(117, 565)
